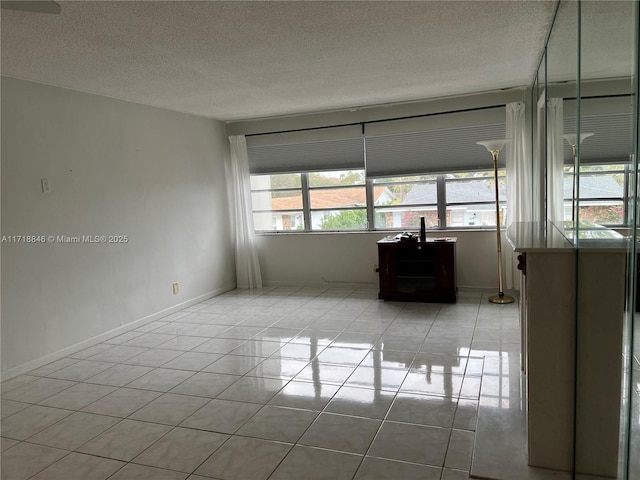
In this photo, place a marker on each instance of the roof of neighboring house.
(457, 192)
(592, 186)
(329, 198)
(483, 191)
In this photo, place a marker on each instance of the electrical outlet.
(44, 183)
(176, 288)
(375, 268)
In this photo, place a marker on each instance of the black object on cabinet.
(417, 271)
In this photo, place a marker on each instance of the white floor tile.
(221, 416)
(411, 443)
(383, 469)
(30, 421)
(73, 431)
(329, 431)
(122, 402)
(141, 472)
(312, 383)
(316, 464)
(279, 423)
(460, 450)
(361, 402)
(125, 440)
(38, 390)
(182, 449)
(22, 461)
(78, 465)
(9, 407)
(169, 408)
(160, 379)
(229, 462)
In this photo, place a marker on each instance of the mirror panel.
(561, 91)
(585, 145)
(539, 142)
(602, 155)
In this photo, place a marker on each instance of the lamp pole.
(573, 141)
(494, 148)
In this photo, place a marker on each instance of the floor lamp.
(572, 140)
(494, 147)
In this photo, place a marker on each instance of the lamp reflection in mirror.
(572, 140)
(494, 147)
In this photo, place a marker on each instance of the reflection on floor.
(306, 383)
(500, 450)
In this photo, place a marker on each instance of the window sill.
(383, 232)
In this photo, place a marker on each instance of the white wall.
(347, 258)
(115, 168)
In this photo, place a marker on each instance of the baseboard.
(371, 286)
(490, 290)
(374, 286)
(51, 357)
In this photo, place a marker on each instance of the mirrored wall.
(585, 144)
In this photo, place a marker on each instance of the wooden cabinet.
(417, 271)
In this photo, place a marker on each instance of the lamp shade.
(571, 138)
(493, 145)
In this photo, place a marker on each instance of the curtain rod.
(351, 124)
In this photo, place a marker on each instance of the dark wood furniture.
(417, 271)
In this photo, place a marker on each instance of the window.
(602, 193)
(465, 199)
(277, 202)
(471, 198)
(399, 202)
(334, 201)
(337, 201)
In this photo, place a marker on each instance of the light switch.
(45, 185)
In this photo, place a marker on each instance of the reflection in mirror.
(632, 417)
(561, 75)
(606, 111)
(605, 146)
(585, 158)
(539, 143)
(604, 193)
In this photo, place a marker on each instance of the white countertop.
(559, 237)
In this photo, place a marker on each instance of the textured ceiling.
(238, 60)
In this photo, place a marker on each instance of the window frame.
(272, 211)
(437, 180)
(369, 185)
(624, 199)
(311, 209)
(502, 174)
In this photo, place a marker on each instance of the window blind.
(335, 148)
(611, 142)
(434, 144)
(610, 119)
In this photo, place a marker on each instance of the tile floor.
(280, 383)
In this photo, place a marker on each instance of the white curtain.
(555, 160)
(518, 161)
(239, 191)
